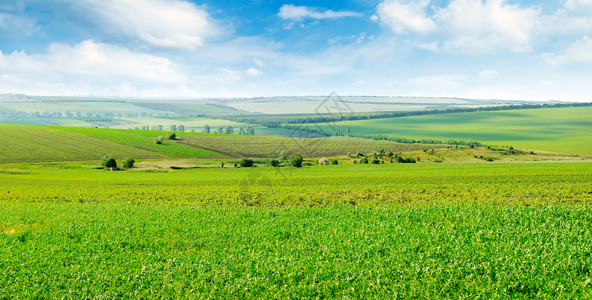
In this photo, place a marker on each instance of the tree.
(247, 163)
(108, 162)
(173, 127)
(250, 131)
(364, 160)
(128, 163)
(275, 163)
(181, 128)
(334, 161)
(296, 160)
(220, 129)
(158, 140)
(206, 129)
(229, 130)
(171, 135)
(242, 131)
(104, 160)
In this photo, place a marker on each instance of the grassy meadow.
(564, 130)
(519, 230)
(188, 222)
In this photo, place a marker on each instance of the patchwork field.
(358, 231)
(273, 147)
(565, 130)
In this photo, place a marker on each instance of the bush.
(275, 163)
(324, 162)
(246, 163)
(158, 140)
(128, 163)
(334, 161)
(108, 162)
(171, 135)
(376, 161)
(296, 161)
(364, 160)
(104, 160)
(402, 160)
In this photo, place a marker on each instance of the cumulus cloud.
(159, 23)
(86, 68)
(578, 52)
(464, 25)
(405, 16)
(254, 72)
(486, 26)
(298, 13)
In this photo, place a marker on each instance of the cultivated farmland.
(566, 130)
(358, 231)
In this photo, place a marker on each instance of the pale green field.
(193, 123)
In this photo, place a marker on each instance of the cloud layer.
(158, 23)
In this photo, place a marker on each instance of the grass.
(273, 147)
(348, 231)
(565, 130)
(47, 144)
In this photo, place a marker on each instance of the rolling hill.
(564, 130)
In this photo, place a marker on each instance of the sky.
(481, 49)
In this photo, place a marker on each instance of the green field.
(273, 147)
(565, 130)
(359, 231)
(46, 144)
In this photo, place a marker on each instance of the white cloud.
(405, 15)
(85, 68)
(298, 13)
(254, 72)
(488, 73)
(486, 26)
(160, 23)
(17, 24)
(433, 46)
(578, 52)
(464, 25)
(579, 6)
(257, 61)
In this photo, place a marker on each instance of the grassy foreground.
(356, 231)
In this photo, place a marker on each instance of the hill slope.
(565, 130)
(48, 144)
(24, 143)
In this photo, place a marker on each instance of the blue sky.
(537, 50)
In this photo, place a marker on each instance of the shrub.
(246, 163)
(376, 161)
(171, 135)
(296, 160)
(275, 163)
(128, 163)
(324, 162)
(334, 161)
(111, 163)
(158, 140)
(104, 160)
(364, 160)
